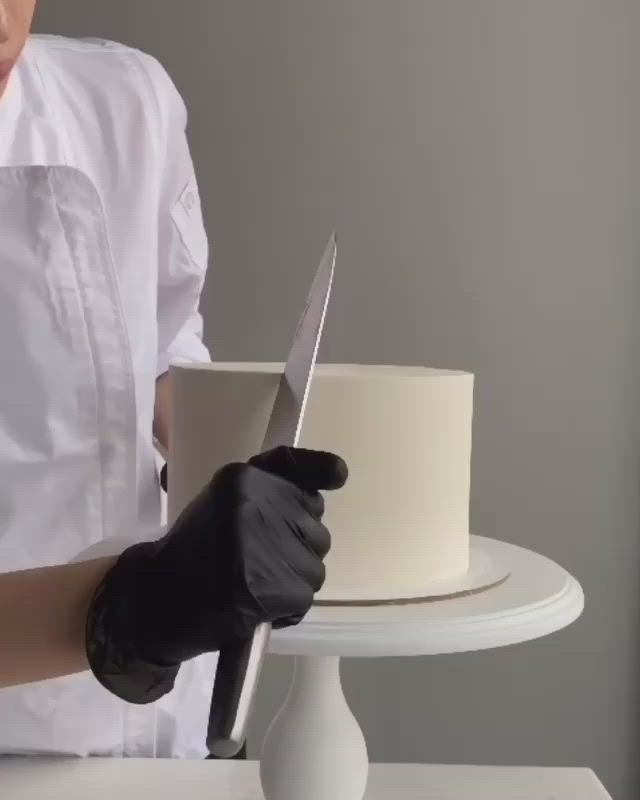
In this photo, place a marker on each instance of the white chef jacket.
(77, 462)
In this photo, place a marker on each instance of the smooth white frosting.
(402, 520)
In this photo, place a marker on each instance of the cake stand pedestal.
(315, 749)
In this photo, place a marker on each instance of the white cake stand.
(315, 749)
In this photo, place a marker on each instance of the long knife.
(240, 664)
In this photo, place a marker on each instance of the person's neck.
(3, 86)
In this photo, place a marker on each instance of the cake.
(402, 521)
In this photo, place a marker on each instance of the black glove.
(163, 478)
(248, 549)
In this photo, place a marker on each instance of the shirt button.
(190, 201)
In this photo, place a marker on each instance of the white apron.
(67, 443)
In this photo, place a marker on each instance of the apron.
(67, 430)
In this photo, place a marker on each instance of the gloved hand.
(248, 549)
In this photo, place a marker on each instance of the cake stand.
(315, 749)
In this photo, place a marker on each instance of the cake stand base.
(315, 748)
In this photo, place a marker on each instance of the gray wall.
(481, 160)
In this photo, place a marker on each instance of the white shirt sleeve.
(183, 249)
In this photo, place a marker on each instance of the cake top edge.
(326, 370)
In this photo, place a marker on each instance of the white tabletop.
(143, 779)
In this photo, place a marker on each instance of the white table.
(140, 779)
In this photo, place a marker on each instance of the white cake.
(402, 520)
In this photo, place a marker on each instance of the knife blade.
(240, 664)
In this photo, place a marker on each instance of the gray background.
(481, 161)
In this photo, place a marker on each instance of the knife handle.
(236, 681)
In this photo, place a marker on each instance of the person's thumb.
(309, 470)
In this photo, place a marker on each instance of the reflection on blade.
(287, 416)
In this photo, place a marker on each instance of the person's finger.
(309, 470)
(313, 503)
(287, 622)
(291, 598)
(309, 567)
(318, 538)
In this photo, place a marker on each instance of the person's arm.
(183, 249)
(248, 549)
(43, 615)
